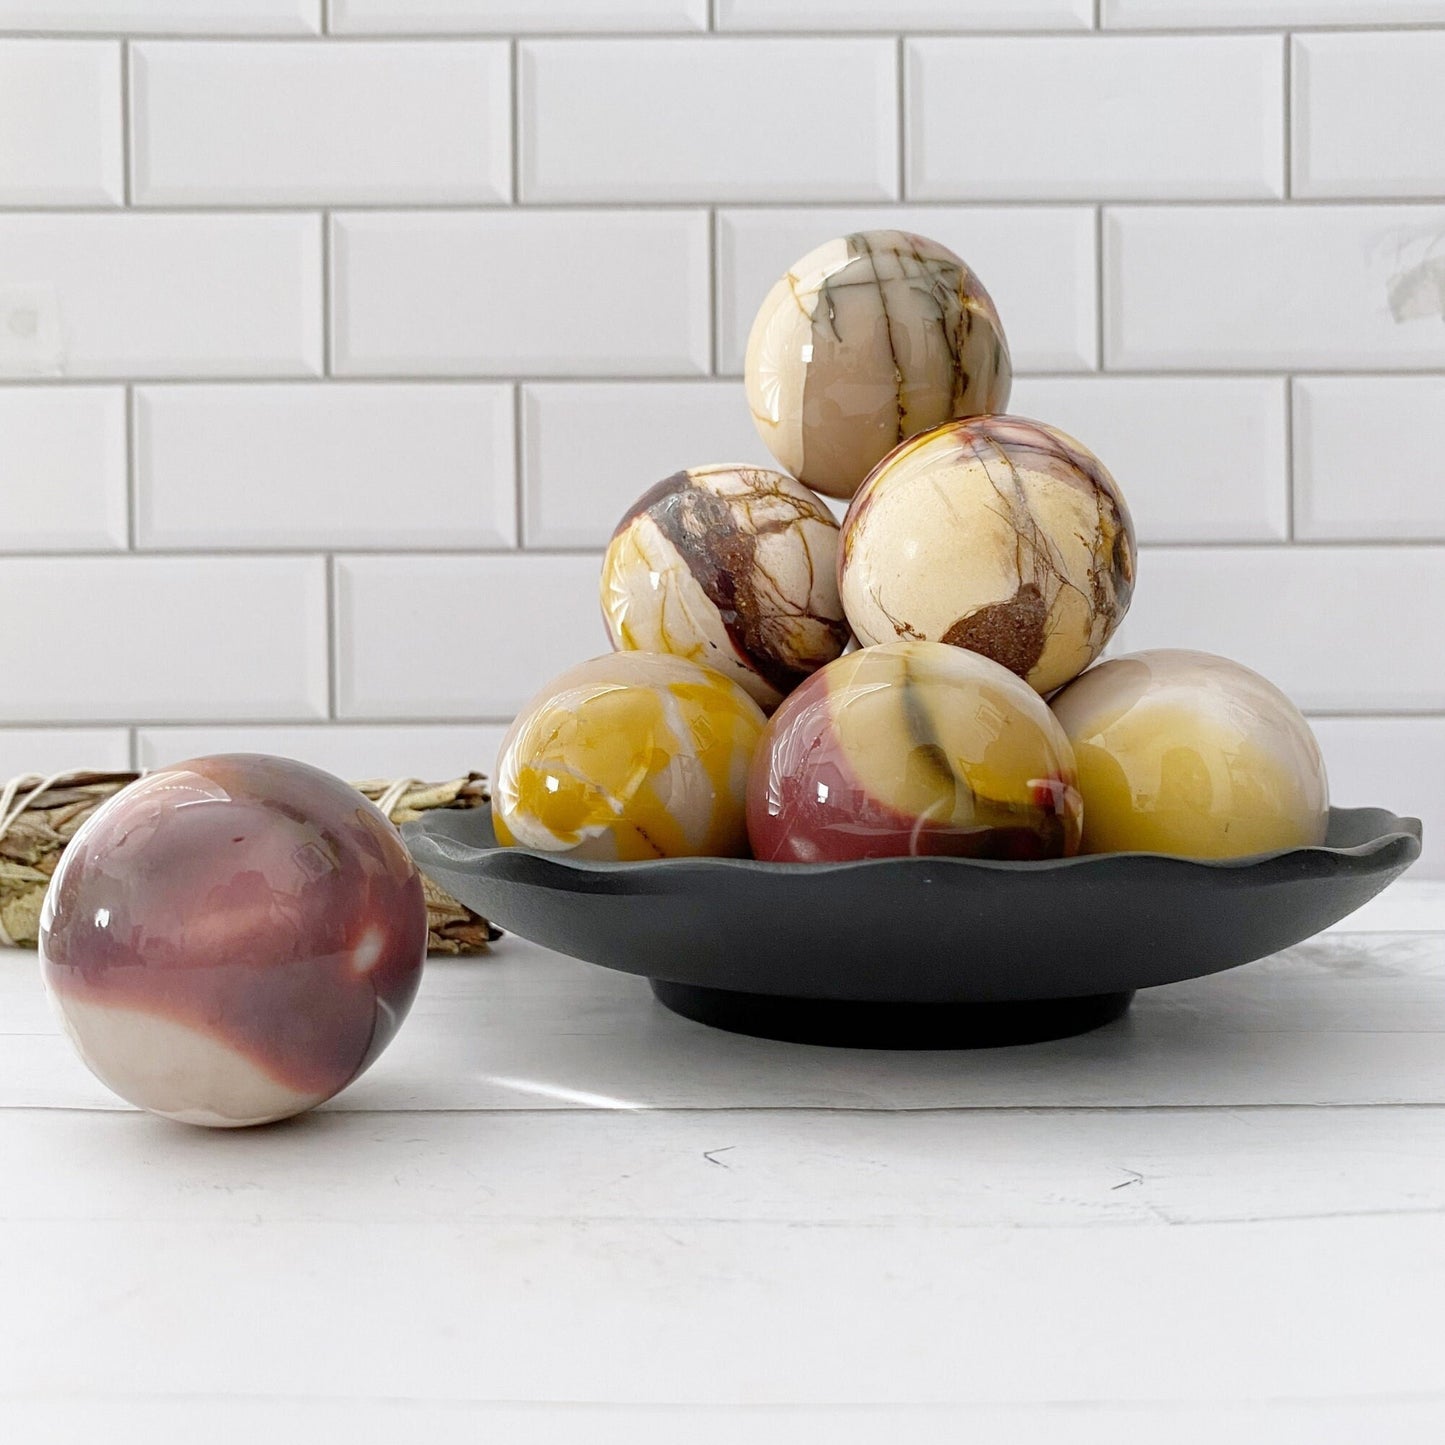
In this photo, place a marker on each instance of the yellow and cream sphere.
(629, 756)
(996, 534)
(1191, 754)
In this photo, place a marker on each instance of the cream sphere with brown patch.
(732, 566)
(997, 534)
(867, 340)
(1191, 754)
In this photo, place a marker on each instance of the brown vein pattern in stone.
(731, 566)
(997, 534)
(868, 340)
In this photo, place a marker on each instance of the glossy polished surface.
(996, 534)
(629, 756)
(1191, 754)
(913, 748)
(865, 341)
(731, 566)
(233, 939)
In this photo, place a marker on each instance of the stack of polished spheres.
(984, 562)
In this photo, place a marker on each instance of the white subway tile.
(708, 120)
(1063, 118)
(357, 752)
(1199, 459)
(1391, 762)
(164, 17)
(1369, 113)
(125, 639)
(461, 17)
(63, 750)
(1313, 287)
(62, 468)
(271, 122)
(460, 637)
(1037, 264)
(135, 295)
(1242, 14)
(300, 465)
(591, 448)
(60, 123)
(832, 15)
(529, 293)
(1340, 629)
(1367, 457)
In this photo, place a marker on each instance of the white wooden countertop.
(553, 1211)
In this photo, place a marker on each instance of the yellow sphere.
(629, 756)
(1191, 754)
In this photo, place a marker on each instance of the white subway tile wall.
(336, 334)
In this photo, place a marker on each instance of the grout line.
(326, 17)
(713, 301)
(1098, 21)
(711, 16)
(1289, 470)
(1099, 289)
(1288, 83)
(515, 100)
(132, 736)
(326, 308)
(332, 648)
(519, 463)
(431, 379)
(127, 139)
(218, 553)
(630, 205)
(131, 500)
(1074, 32)
(901, 85)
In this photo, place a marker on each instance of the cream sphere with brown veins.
(1191, 754)
(866, 341)
(997, 534)
(732, 566)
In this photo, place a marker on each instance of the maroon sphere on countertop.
(234, 939)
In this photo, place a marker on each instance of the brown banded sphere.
(731, 566)
(868, 340)
(996, 534)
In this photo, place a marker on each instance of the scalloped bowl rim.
(1396, 828)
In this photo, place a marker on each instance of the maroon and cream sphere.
(731, 566)
(913, 748)
(996, 534)
(864, 342)
(234, 939)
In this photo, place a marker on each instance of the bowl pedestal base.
(847, 1023)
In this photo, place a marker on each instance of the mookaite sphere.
(234, 939)
(731, 566)
(997, 534)
(913, 748)
(628, 756)
(1192, 754)
(868, 340)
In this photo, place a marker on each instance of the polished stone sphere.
(629, 756)
(734, 567)
(234, 939)
(997, 534)
(864, 342)
(1191, 754)
(913, 748)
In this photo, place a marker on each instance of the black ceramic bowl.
(916, 952)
